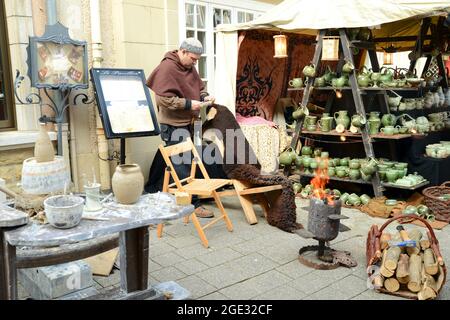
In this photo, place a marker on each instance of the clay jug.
(43, 149)
(127, 183)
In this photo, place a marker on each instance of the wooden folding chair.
(193, 186)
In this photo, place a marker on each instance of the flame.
(320, 181)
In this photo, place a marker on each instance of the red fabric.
(253, 121)
(261, 78)
(171, 79)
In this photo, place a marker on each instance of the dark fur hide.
(282, 213)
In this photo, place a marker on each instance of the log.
(403, 280)
(392, 255)
(430, 263)
(416, 235)
(378, 281)
(383, 270)
(391, 284)
(415, 273)
(385, 237)
(402, 267)
(424, 244)
(429, 290)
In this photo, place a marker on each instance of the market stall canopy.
(306, 16)
(386, 19)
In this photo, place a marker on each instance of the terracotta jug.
(127, 183)
(43, 149)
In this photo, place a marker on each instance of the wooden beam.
(134, 259)
(359, 105)
(308, 89)
(50, 256)
(8, 269)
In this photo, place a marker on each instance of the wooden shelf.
(360, 181)
(358, 135)
(417, 186)
(360, 88)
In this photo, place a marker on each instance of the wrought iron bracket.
(59, 106)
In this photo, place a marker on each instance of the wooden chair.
(245, 191)
(193, 186)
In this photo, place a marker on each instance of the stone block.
(172, 291)
(46, 283)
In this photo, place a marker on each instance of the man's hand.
(196, 105)
(209, 98)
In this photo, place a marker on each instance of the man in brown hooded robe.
(179, 92)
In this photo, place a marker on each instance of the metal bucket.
(324, 220)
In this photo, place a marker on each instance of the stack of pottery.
(438, 150)
(127, 183)
(45, 173)
(354, 200)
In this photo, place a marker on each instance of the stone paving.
(260, 262)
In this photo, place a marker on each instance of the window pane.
(2, 107)
(202, 67)
(249, 17)
(190, 34)
(201, 17)
(217, 18)
(201, 36)
(226, 16)
(241, 17)
(189, 15)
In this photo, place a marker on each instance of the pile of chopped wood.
(412, 270)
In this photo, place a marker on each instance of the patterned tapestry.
(262, 79)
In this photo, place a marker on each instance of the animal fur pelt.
(282, 213)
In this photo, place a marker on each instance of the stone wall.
(11, 165)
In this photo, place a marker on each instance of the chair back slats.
(183, 147)
(179, 148)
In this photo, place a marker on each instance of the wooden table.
(131, 222)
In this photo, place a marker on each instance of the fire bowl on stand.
(324, 222)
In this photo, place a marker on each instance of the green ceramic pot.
(354, 174)
(331, 171)
(365, 199)
(344, 197)
(354, 164)
(423, 210)
(391, 175)
(391, 202)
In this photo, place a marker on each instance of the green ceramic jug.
(341, 117)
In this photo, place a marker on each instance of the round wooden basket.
(374, 253)
(440, 208)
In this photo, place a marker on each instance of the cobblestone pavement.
(260, 261)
